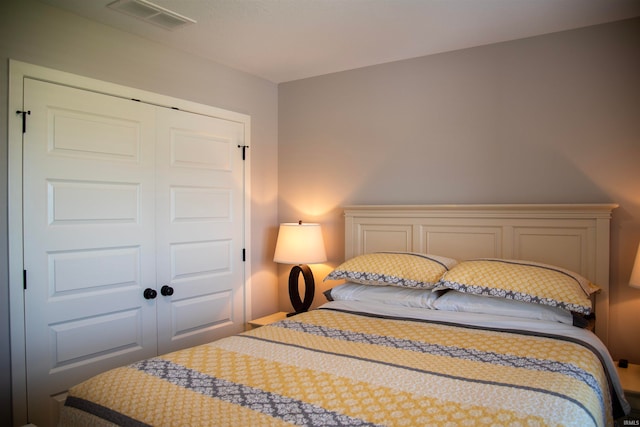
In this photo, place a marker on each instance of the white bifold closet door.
(133, 233)
(199, 228)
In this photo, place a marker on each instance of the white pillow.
(393, 295)
(470, 303)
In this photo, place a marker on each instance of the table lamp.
(301, 244)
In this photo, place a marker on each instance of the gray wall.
(550, 119)
(35, 33)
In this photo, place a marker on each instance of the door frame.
(18, 71)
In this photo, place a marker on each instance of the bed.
(439, 315)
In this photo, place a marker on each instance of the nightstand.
(630, 379)
(256, 323)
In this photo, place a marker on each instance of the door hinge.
(244, 254)
(24, 279)
(24, 119)
(244, 151)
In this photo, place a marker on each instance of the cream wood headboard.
(574, 236)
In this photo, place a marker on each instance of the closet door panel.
(88, 237)
(199, 178)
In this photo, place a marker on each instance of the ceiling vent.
(152, 13)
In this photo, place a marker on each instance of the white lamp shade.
(300, 244)
(634, 281)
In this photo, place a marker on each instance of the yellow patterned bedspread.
(329, 368)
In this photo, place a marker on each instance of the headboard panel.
(573, 236)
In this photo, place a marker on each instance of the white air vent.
(152, 13)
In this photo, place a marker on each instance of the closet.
(133, 234)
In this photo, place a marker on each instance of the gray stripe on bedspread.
(103, 412)
(272, 404)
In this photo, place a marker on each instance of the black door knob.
(166, 290)
(149, 293)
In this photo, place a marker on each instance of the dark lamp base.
(309, 288)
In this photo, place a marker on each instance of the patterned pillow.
(523, 281)
(410, 270)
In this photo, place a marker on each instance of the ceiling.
(284, 40)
